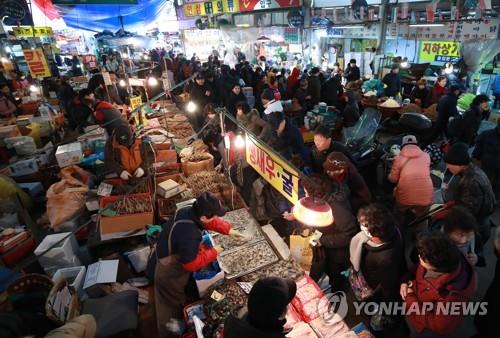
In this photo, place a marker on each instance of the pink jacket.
(411, 172)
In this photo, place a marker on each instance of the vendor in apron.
(124, 154)
(180, 252)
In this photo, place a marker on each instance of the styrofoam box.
(139, 258)
(23, 168)
(62, 255)
(69, 154)
(34, 188)
(77, 272)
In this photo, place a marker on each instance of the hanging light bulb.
(448, 68)
(313, 212)
(404, 63)
(125, 55)
(122, 83)
(152, 81)
(34, 89)
(227, 141)
(191, 107)
(4, 59)
(239, 142)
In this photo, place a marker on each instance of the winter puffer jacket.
(456, 286)
(411, 172)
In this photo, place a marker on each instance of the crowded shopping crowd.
(410, 220)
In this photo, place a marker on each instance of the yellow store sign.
(27, 32)
(272, 168)
(211, 7)
(439, 51)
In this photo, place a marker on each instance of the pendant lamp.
(313, 212)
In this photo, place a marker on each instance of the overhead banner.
(15, 12)
(94, 2)
(37, 63)
(439, 51)
(255, 5)
(27, 32)
(211, 7)
(273, 169)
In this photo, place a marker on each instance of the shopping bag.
(65, 200)
(359, 286)
(301, 251)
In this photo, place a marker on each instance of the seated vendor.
(267, 307)
(125, 154)
(180, 251)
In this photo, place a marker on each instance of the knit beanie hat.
(336, 166)
(458, 154)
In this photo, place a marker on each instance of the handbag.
(361, 289)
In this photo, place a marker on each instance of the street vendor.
(124, 154)
(267, 307)
(107, 116)
(323, 146)
(180, 252)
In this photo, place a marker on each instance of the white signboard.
(201, 42)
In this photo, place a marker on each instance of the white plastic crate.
(61, 256)
(75, 277)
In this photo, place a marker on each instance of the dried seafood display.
(247, 259)
(207, 181)
(197, 157)
(241, 219)
(284, 269)
(133, 205)
(179, 129)
(124, 188)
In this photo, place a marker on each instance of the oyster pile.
(247, 258)
(284, 269)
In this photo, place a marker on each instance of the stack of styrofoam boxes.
(62, 255)
(248, 92)
(75, 276)
(68, 154)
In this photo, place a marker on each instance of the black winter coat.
(487, 150)
(331, 92)
(232, 100)
(352, 74)
(199, 97)
(446, 108)
(471, 120)
(393, 82)
(240, 328)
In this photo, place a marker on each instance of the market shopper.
(392, 82)
(331, 254)
(200, 95)
(314, 86)
(112, 64)
(487, 155)
(446, 108)
(473, 190)
(464, 129)
(66, 94)
(302, 96)
(377, 251)
(411, 172)
(292, 83)
(332, 91)
(125, 155)
(81, 110)
(235, 96)
(251, 120)
(7, 107)
(352, 72)
(438, 90)
(323, 146)
(267, 307)
(420, 94)
(109, 93)
(350, 115)
(495, 88)
(339, 168)
(460, 227)
(443, 275)
(180, 251)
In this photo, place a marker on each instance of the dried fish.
(247, 258)
(133, 205)
(284, 269)
(207, 181)
(123, 188)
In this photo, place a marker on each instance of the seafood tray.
(244, 223)
(284, 269)
(246, 259)
(241, 219)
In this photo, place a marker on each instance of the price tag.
(104, 189)
(245, 286)
(217, 296)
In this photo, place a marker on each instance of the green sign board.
(94, 2)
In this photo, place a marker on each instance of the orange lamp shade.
(313, 212)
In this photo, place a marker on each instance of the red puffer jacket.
(458, 286)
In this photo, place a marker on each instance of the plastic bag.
(74, 172)
(301, 251)
(65, 200)
(9, 188)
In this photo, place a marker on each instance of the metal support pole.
(383, 11)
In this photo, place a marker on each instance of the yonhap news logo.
(334, 307)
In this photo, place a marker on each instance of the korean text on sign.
(36, 62)
(440, 51)
(274, 170)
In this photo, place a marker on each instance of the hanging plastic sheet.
(105, 17)
(476, 53)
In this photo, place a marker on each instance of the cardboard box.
(169, 188)
(61, 255)
(23, 168)
(124, 223)
(69, 154)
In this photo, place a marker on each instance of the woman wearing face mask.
(125, 155)
(377, 252)
(339, 168)
(419, 94)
